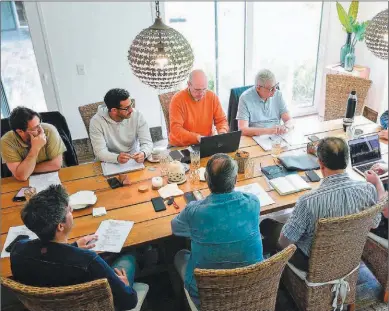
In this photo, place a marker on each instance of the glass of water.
(194, 159)
(276, 146)
(164, 163)
(249, 168)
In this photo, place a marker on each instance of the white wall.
(98, 36)
(334, 37)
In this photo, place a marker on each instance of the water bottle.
(350, 111)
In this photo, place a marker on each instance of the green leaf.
(343, 17)
(353, 9)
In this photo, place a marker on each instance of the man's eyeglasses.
(199, 90)
(272, 89)
(34, 129)
(130, 106)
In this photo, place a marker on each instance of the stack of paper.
(12, 234)
(82, 199)
(258, 191)
(110, 169)
(42, 181)
(170, 190)
(112, 234)
(289, 184)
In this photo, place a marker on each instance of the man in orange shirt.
(194, 111)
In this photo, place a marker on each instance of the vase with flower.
(355, 32)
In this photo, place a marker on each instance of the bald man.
(194, 111)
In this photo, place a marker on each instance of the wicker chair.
(91, 296)
(252, 288)
(165, 100)
(88, 111)
(375, 256)
(338, 89)
(335, 254)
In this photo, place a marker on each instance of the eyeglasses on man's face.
(197, 90)
(272, 89)
(130, 106)
(34, 130)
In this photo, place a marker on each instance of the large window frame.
(248, 54)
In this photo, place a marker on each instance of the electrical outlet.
(80, 69)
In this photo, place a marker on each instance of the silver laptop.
(364, 153)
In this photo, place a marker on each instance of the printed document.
(42, 181)
(13, 233)
(258, 191)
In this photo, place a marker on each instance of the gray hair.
(221, 173)
(45, 211)
(263, 76)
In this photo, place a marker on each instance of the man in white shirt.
(119, 132)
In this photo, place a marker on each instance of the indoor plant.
(352, 27)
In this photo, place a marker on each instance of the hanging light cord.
(157, 9)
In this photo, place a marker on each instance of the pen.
(175, 205)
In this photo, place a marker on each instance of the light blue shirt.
(224, 233)
(259, 113)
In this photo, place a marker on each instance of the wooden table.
(127, 203)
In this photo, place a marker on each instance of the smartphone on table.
(312, 176)
(114, 183)
(19, 197)
(158, 204)
(313, 138)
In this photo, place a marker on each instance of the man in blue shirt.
(262, 107)
(384, 124)
(50, 261)
(223, 228)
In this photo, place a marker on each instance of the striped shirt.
(338, 195)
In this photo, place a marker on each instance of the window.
(288, 48)
(19, 71)
(248, 38)
(194, 21)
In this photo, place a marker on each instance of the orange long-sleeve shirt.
(189, 118)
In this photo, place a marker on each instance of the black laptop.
(210, 145)
(222, 143)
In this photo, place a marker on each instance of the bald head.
(221, 173)
(197, 84)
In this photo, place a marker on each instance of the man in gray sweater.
(118, 132)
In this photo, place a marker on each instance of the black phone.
(19, 197)
(176, 155)
(189, 197)
(313, 138)
(114, 183)
(312, 176)
(18, 238)
(158, 204)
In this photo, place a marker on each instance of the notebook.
(289, 184)
(265, 141)
(110, 169)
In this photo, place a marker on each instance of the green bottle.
(345, 49)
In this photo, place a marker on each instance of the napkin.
(170, 190)
(82, 198)
(202, 172)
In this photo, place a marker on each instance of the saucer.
(177, 182)
(152, 160)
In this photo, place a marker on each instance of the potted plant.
(352, 27)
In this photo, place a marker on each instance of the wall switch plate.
(80, 69)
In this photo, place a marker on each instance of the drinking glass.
(249, 168)
(164, 163)
(276, 147)
(194, 159)
(29, 193)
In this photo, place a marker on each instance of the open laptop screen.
(364, 150)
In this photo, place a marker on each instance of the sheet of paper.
(295, 137)
(12, 234)
(384, 148)
(43, 181)
(170, 190)
(298, 182)
(258, 191)
(112, 234)
(110, 169)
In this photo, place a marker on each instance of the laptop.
(364, 153)
(222, 143)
